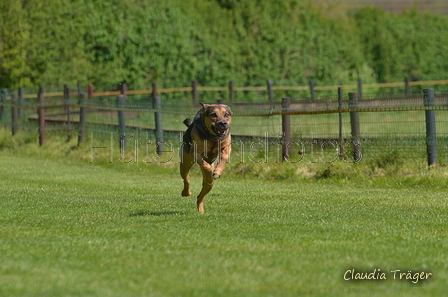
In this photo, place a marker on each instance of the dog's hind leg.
(186, 163)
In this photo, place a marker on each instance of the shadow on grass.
(155, 213)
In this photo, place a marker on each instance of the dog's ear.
(229, 111)
(204, 108)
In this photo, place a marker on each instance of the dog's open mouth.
(221, 132)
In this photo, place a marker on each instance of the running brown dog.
(206, 142)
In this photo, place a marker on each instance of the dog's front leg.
(223, 159)
(207, 183)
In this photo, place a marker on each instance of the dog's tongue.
(222, 131)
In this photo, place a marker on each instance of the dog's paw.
(186, 193)
(216, 175)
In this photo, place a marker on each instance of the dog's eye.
(213, 115)
(227, 115)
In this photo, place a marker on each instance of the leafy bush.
(407, 45)
(173, 42)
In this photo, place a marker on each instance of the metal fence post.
(431, 135)
(286, 128)
(354, 123)
(41, 115)
(121, 122)
(157, 105)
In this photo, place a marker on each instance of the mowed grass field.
(80, 229)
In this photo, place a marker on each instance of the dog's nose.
(222, 124)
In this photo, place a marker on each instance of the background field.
(73, 228)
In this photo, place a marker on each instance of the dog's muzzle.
(221, 128)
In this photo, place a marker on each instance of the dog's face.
(217, 118)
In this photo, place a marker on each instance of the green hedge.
(54, 42)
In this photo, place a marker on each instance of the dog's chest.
(211, 151)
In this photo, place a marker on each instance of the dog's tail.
(188, 122)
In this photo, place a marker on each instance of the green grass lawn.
(80, 229)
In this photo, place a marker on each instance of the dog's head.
(217, 118)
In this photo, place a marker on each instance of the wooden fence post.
(41, 115)
(286, 128)
(83, 98)
(14, 115)
(124, 90)
(231, 91)
(360, 92)
(431, 135)
(82, 117)
(154, 89)
(312, 90)
(270, 83)
(121, 122)
(354, 123)
(157, 105)
(67, 110)
(407, 85)
(194, 91)
(341, 138)
(3, 101)
(21, 95)
(90, 92)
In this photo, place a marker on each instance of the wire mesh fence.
(321, 130)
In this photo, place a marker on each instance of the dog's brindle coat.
(206, 142)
